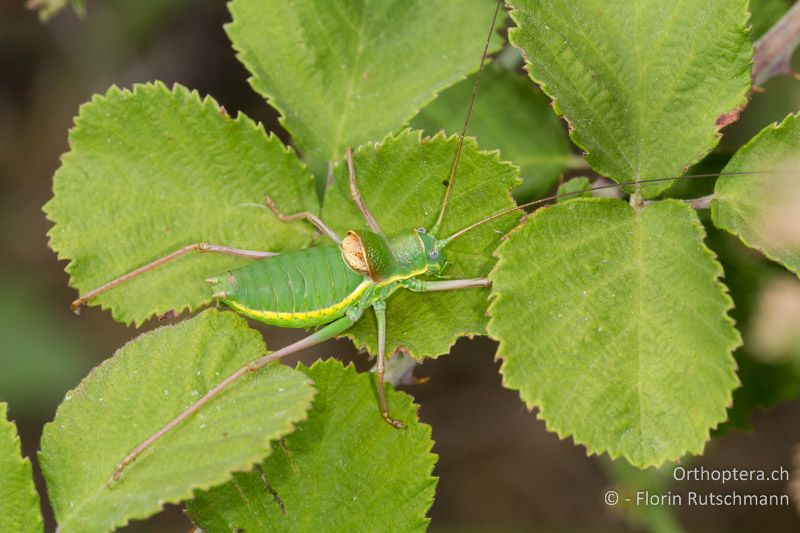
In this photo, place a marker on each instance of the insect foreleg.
(418, 285)
(196, 247)
(380, 366)
(359, 201)
(302, 215)
(327, 332)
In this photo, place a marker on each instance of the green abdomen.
(302, 288)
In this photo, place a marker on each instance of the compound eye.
(421, 231)
(434, 254)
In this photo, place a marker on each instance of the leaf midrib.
(345, 106)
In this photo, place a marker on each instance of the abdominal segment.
(302, 288)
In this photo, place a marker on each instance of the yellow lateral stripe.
(398, 277)
(302, 315)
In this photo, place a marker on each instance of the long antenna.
(444, 242)
(438, 223)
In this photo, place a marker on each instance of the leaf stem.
(773, 51)
(703, 202)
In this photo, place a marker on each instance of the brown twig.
(773, 51)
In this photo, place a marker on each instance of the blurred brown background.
(499, 469)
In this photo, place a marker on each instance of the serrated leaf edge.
(23, 462)
(421, 138)
(534, 403)
(288, 428)
(245, 58)
(574, 136)
(206, 103)
(773, 128)
(433, 458)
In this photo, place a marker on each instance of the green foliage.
(765, 13)
(612, 321)
(510, 115)
(19, 501)
(628, 481)
(144, 385)
(401, 179)
(611, 318)
(579, 187)
(344, 469)
(764, 385)
(767, 379)
(645, 86)
(153, 169)
(341, 73)
(762, 209)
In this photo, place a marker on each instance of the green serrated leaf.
(630, 75)
(143, 386)
(578, 187)
(19, 501)
(509, 115)
(762, 209)
(344, 469)
(401, 180)
(614, 323)
(152, 170)
(342, 73)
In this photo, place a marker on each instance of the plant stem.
(773, 51)
(704, 202)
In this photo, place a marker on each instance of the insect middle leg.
(196, 247)
(380, 366)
